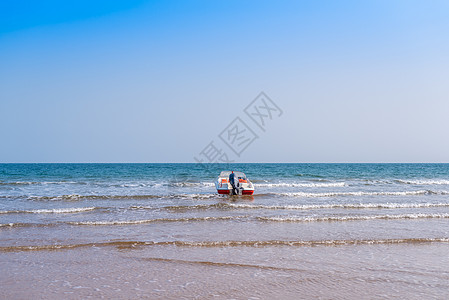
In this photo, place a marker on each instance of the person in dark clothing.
(232, 178)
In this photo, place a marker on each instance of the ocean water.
(161, 231)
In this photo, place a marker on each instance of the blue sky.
(156, 81)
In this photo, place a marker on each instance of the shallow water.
(161, 231)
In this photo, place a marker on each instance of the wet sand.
(407, 271)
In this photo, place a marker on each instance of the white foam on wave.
(133, 185)
(94, 223)
(336, 194)
(50, 211)
(62, 210)
(76, 197)
(228, 243)
(136, 222)
(354, 218)
(285, 184)
(424, 182)
(60, 197)
(192, 184)
(340, 206)
(267, 184)
(19, 183)
(35, 182)
(195, 196)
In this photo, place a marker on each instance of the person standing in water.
(232, 182)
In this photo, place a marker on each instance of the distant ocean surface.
(162, 231)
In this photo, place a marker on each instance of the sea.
(161, 231)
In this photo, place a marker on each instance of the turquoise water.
(37, 197)
(303, 217)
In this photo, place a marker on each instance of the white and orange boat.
(237, 184)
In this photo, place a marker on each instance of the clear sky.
(157, 81)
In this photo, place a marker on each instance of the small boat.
(237, 184)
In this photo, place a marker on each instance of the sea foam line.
(224, 206)
(336, 194)
(16, 225)
(424, 181)
(76, 197)
(233, 218)
(161, 220)
(51, 211)
(339, 206)
(228, 243)
(331, 184)
(354, 218)
(124, 222)
(36, 182)
(191, 184)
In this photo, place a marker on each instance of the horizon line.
(224, 163)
